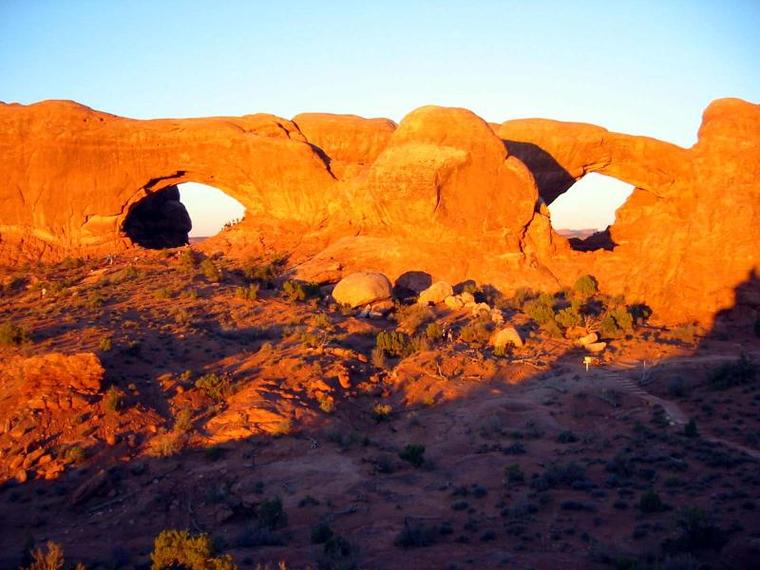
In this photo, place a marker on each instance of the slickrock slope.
(443, 192)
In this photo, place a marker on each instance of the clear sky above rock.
(639, 67)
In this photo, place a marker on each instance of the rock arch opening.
(586, 211)
(179, 214)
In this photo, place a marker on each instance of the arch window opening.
(181, 214)
(584, 213)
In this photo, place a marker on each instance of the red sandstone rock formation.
(444, 192)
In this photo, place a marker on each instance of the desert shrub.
(394, 343)
(690, 429)
(381, 412)
(270, 514)
(127, 274)
(741, 371)
(248, 292)
(416, 534)
(112, 399)
(11, 333)
(697, 531)
(540, 309)
(676, 387)
(49, 557)
(210, 271)
(414, 454)
(586, 286)
(263, 272)
(163, 293)
(321, 533)
(559, 474)
(513, 474)
(567, 437)
(378, 358)
(521, 296)
(326, 403)
(650, 502)
(322, 321)
(214, 386)
(569, 317)
(183, 421)
(166, 443)
(74, 454)
(295, 290)
(413, 316)
(616, 322)
(336, 548)
(477, 331)
(433, 332)
(178, 548)
(188, 258)
(105, 344)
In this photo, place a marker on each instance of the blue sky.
(639, 67)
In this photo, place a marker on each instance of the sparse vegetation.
(178, 548)
(295, 290)
(586, 286)
(13, 334)
(730, 374)
(215, 386)
(113, 399)
(248, 292)
(210, 271)
(414, 454)
(394, 343)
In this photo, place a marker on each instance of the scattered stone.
(588, 339)
(436, 293)
(596, 347)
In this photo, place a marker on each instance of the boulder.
(596, 347)
(505, 336)
(454, 302)
(415, 281)
(436, 293)
(362, 288)
(588, 339)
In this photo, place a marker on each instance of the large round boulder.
(362, 288)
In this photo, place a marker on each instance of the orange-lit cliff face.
(442, 192)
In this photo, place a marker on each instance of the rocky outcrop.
(443, 193)
(362, 288)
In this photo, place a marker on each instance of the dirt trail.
(622, 374)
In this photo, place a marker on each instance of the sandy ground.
(301, 423)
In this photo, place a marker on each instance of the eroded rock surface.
(443, 192)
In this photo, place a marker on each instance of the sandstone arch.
(442, 192)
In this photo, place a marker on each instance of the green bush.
(617, 322)
(433, 332)
(413, 453)
(214, 386)
(178, 548)
(270, 514)
(295, 290)
(730, 374)
(321, 533)
(210, 271)
(11, 333)
(513, 474)
(541, 309)
(690, 429)
(477, 332)
(650, 502)
(413, 316)
(586, 286)
(248, 292)
(521, 296)
(394, 343)
(569, 317)
(112, 399)
(263, 272)
(188, 258)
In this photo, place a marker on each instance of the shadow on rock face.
(159, 221)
